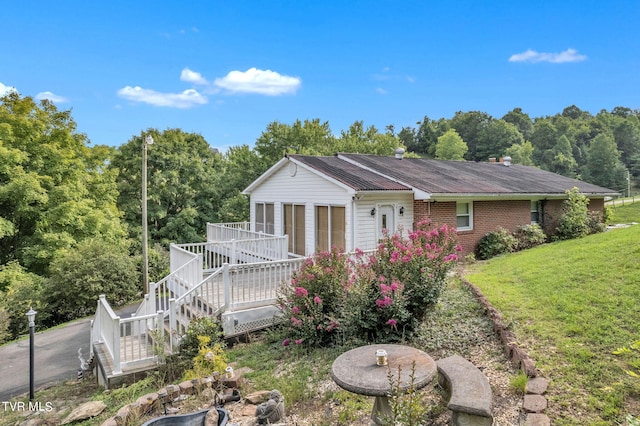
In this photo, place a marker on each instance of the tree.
(469, 126)
(603, 163)
(55, 191)
(521, 120)
(574, 222)
(521, 153)
(495, 138)
(182, 193)
(363, 140)
(562, 161)
(450, 146)
(309, 137)
(82, 274)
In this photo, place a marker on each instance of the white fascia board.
(418, 194)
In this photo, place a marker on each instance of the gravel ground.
(458, 325)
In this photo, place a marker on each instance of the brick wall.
(488, 216)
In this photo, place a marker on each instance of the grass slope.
(571, 304)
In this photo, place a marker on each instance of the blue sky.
(226, 69)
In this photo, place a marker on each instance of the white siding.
(368, 234)
(305, 188)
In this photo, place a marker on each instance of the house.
(347, 200)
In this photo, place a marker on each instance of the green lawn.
(629, 212)
(571, 304)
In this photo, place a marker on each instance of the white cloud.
(264, 82)
(192, 77)
(569, 55)
(4, 90)
(187, 99)
(51, 97)
(381, 91)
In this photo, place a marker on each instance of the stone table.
(357, 371)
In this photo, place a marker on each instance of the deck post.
(232, 257)
(151, 302)
(172, 322)
(116, 346)
(226, 280)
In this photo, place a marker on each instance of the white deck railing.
(205, 280)
(128, 340)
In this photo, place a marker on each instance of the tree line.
(70, 212)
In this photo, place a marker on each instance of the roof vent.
(507, 161)
(399, 153)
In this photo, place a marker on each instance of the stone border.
(534, 402)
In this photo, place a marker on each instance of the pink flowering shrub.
(312, 303)
(420, 262)
(377, 297)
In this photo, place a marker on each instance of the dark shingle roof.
(445, 177)
(349, 174)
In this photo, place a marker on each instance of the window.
(330, 227)
(264, 218)
(535, 212)
(464, 216)
(294, 227)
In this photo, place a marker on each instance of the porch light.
(373, 211)
(401, 210)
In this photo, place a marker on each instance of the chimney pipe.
(399, 153)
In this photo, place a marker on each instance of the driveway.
(56, 356)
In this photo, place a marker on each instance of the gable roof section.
(351, 177)
(350, 174)
(442, 178)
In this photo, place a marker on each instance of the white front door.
(386, 219)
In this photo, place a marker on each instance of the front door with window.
(385, 219)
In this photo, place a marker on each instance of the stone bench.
(469, 393)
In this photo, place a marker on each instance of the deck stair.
(234, 275)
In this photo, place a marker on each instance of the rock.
(257, 397)
(249, 410)
(534, 403)
(537, 420)
(186, 388)
(537, 385)
(173, 391)
(212, 418)
(111, 421)
(85, 411)
(148, 403)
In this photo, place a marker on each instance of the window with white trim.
(294, 227)
(464, 215)
(265, 218)
(330, 227)
(535, 211)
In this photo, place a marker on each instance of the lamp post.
(148, 140)
(31, 316)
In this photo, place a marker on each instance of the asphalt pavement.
(55, 355)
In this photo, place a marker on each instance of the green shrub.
(496, 243)
(574, 222)
(209, 360)
(203, 326)
(529, 236)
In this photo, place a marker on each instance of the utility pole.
(148, 140)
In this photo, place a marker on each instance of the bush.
(313, 304)
(496, 243)
(381, 297)
(79, 276)
(209, 360)
(574, 222)
(528, 236)
(22, 291)
(198, 327)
